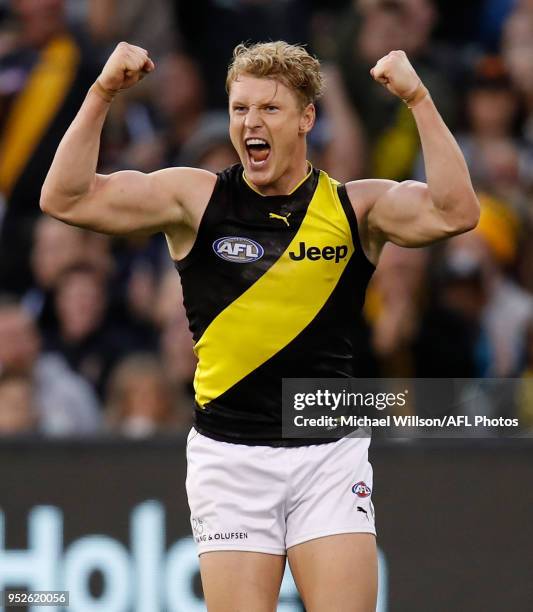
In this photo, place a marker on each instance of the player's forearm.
(447, 174)
(73, 170)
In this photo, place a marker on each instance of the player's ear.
(307, 119)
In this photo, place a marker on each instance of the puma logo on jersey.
(314, 253)
(284, 218)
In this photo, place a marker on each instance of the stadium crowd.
(93, 336)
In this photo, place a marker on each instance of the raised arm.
(410, 213)
(124, 202)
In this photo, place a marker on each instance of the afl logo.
(361, 489)
(238, 249)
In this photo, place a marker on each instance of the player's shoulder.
(185, 184)
(184, 176)
(232, 176)
(364, 193)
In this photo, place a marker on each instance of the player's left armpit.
(397, 74)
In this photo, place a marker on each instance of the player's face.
(268, 128)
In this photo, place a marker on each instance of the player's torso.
(272, 288)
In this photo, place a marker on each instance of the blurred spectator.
(141, 292)
(471, 322)
(494, 13)
(517, 49)
(511, 306)
(89, 344)
(147, 128)
(476, 23)
(64, 402)
(181, 102)
(142, 402)
(133, 291)
(525, 386)
(130, 139)
(190, 137)
(210, 147)
(178, 358)
(131, 134)
(56, 246)
(176, 342)
(169, 300)
(452, 340)
(507, 309)
(477, 317)
(44, 76)
(343, 155)
(17, 410)
(490, 146)
(368, 32)
(150, 25)
(393, 305)
(212, 29)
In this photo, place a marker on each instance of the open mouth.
(258, 151)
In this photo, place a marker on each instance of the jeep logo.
(238, 249)
(314, 253)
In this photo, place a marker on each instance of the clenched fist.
(399, 77)
(126, 66)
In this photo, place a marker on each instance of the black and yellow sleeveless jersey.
(272, 287)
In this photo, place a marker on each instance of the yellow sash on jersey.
(279, 305)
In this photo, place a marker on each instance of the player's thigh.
(236, 581)
(336, 573)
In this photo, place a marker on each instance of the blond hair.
(292, 65)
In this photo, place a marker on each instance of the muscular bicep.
(405, 214)
(129, 202)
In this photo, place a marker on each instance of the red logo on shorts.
(361, 489)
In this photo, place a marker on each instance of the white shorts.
(267, 499)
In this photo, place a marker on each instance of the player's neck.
(285, 184)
